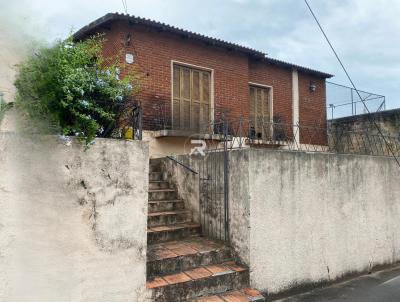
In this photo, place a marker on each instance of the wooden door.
(260, 112)
(191, 98)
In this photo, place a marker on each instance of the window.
(191, 98)
(260, 111)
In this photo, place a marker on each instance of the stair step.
(158, 184)
(165, 205)
(177, 256)
(162, 190)
(162, 194)
(156, 176)
(167, 213)
(165, 200)
(199, 282)
(155, 164)
(181, 265)
(172, 232)
(243, 295)
(168, 218)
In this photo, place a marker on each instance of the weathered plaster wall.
(239, 204)
(318, 217)
(165, 146)
(297, 219)
(388, 121)
(72, 223)
(186, 181)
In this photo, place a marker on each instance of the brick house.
(189, 79)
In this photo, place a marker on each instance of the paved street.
(382, 286)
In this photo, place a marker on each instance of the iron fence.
(127, 124)
(162, 118)
(137, 123)
(345, 101)
(214, 195)
(262, 134)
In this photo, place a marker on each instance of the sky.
(365, 33)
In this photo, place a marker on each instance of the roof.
(258, 55)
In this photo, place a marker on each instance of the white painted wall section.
(295, 104)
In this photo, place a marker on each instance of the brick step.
(156, 176)
(168, 218)
(158, 184)
(178, 256)
(243, 295)
(163, 194)
(172, 232)
(199, 282)
(165, 205)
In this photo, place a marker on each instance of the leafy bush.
(74, 88)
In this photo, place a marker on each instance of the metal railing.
(182, 164)
(344, 101)
(244, 133)
(127, 124)
(262, 132)
(162, 119)
(137, 123)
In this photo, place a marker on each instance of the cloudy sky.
(366, 33)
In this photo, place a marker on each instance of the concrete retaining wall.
(388, 121)
(72, 222)
(314, 217)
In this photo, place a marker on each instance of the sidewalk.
(382, 286)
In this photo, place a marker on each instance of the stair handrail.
(182, 164)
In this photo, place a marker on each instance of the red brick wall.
(153, 54)
(281, 81)
(312, 109)
(232, 71)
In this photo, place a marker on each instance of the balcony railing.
(242, 133)
(261, 132)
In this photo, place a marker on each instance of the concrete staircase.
(182, 265)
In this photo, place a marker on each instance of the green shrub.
(74, 89)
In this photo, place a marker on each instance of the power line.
(124, 4)
(352, 83)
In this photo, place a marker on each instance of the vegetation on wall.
(4, 107)
(75, 89)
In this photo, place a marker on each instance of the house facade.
(189, 80)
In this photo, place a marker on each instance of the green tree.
(73, 88)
